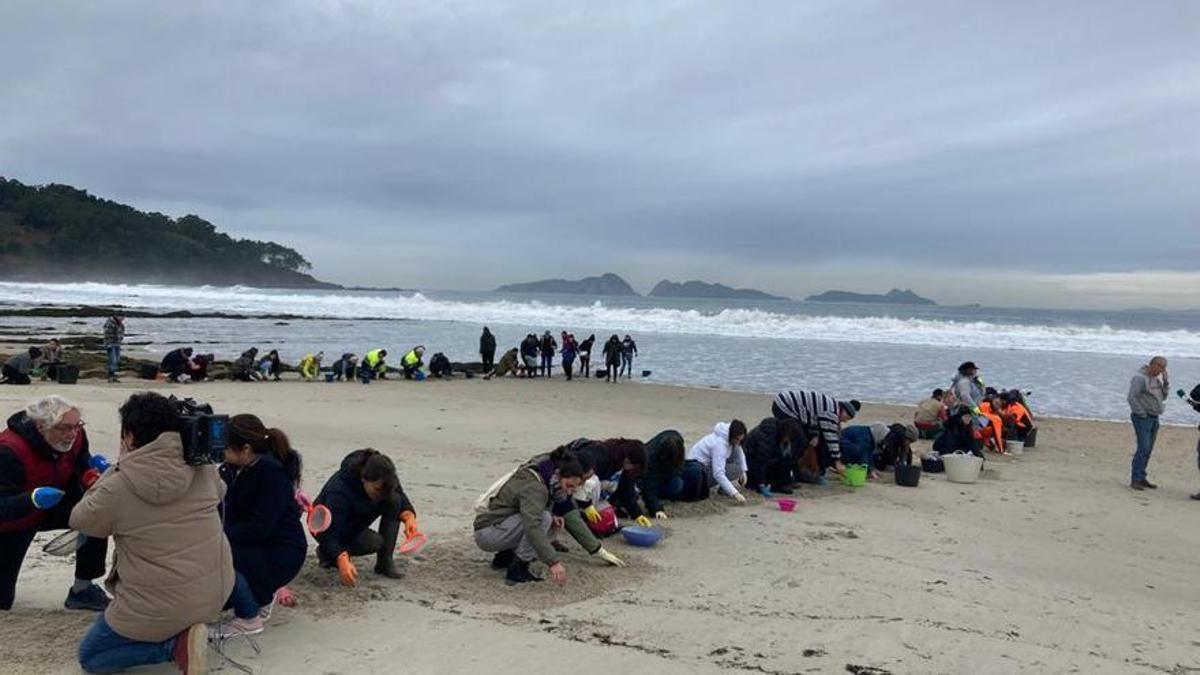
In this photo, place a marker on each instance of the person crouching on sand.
(262, 520)
(959, 434)
(772, 451)
(508, 364)
(364, 489)
(310, 366)
(513, 518)
(663, 477)
(715, 460)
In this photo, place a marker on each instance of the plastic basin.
(962, 468)
(636, 535)
(1014, 447)
(855, 475)
(786, 504)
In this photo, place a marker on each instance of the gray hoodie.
(1146, 394)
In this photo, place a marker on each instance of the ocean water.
(1075, 363)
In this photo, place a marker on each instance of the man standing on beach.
(114, 335)
(1147, 393)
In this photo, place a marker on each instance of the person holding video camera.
(173, 570)
(262, 519)
(364, 489)
(45, 467)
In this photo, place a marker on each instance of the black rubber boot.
(503, 559)
(518, 573)
(385, 561)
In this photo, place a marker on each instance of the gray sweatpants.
(510, 534)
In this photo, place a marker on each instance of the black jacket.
(585, 347)
(657, 475)
(607, 458)
(548, 345)
(957, 437)
(262, 524)
(351, 508)
(175, 361)
(487, 342)
(612, 352)
(15, 500)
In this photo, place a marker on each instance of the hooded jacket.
(487, 343)
(657, 475)
(713, 451)
(172, 566)
(245, 363)
(1147, 394)
(967, 390)
(350, 506)
(526, 493)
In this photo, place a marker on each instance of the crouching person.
(45, 467)
(365, 489)
(173, 570)
(513, 517)
(262, 520)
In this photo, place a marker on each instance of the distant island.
(700, 289)
(892, 297)
(61, 233)
(606, 284)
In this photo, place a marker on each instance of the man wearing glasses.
(45, 467)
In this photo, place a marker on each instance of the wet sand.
(1048, 564)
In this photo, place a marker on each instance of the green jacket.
(525, 493)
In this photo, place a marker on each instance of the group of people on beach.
(534, 356)
(43, 362)
(971, 417)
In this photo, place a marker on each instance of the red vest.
(40, 471)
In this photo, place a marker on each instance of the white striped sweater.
(817, 413)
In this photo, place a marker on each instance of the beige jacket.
(172, 567)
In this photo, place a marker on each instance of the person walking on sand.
(569, 349)
(114, 335)
(487, 351)
(628, 350)
(612, 358)
(547, 347)
(585, 356)
(1147, 395)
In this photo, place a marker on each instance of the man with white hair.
(45, 468)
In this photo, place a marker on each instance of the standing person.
(585, 356)
(569, 348)
(364, 489)
(45, 467)
(172, 571)
(1193, 400)
(612, 358)
(261, 517)
(547, 347)
(513, 518)
(114, 336)
(819, 415)
(487, 350)
(712, 459)
(628, 350)
(19, 366)
(1147, 393)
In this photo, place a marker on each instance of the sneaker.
(190, 653)
(503, 559)
(92, 598)
(224, 630)
(518, 573)
(264, 612)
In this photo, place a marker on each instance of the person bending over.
(173, 570)
(821, 416)
(931, 414)
(959, 435)
(310, 366)
(374, 365)
(717, 459)
(412, 362)
(262, 519)
(45, 467)
(508, 364)
(271, 366)
(244, 366)
(175, 363)
(585, 356)
(663, 477)
(513, 518)
(343, 368)
(772, 451)
(18, 368)
(365, 489)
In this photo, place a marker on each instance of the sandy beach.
(1049, 564)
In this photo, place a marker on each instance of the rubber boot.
(518, 573)
(503, 559)
(385, 561)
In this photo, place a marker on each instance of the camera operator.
(45, 467)
(173, 569)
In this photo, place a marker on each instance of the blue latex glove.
(99, 463)
(765, 491)
(46, 497)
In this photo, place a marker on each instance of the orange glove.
(346, 569)
(410, 524)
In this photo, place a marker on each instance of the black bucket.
(1031, 438)
(908, 475)
(67, 374)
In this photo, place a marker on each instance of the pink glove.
(303, 500)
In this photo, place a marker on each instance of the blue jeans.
(1145, 429)
(114, 359)
(627, 364)
(241, 599)
(103, 650)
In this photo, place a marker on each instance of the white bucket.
(1014, 447)
(961, 468)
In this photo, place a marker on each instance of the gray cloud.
(522, 139)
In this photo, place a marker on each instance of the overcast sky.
(1026, 153)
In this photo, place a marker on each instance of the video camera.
(204, 434)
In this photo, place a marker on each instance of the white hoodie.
(713, 451)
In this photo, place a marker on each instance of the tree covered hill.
(61, 233)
